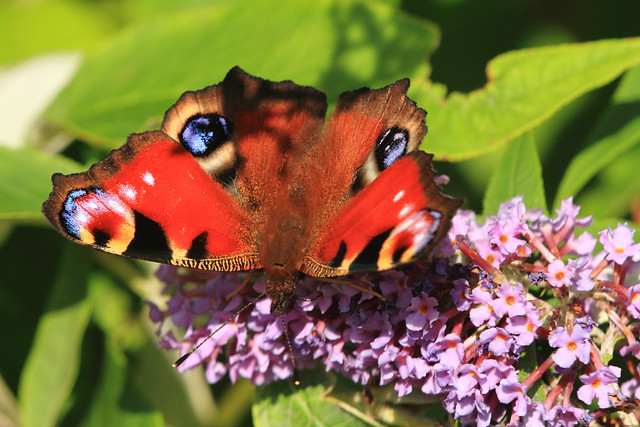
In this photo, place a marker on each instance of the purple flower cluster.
(517, 320)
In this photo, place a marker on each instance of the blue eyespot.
(67, 215)
(73, 219)
(204, 133)
(391, 145)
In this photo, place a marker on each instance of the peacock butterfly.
(247, 175)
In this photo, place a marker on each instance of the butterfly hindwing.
(151, 200)
(392, 221)
(384, 123)
(367, 131)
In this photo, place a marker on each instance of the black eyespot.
(391, 145)
(203, 133)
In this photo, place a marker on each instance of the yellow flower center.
(424, 308)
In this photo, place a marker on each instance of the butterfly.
(248, 174)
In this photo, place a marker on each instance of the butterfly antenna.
(296, 379)
(185, 356)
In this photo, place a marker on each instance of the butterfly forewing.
(151, 200)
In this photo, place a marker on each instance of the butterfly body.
(247, 174)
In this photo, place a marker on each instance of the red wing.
(392, 221)
(152, 200)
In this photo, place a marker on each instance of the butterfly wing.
(392, 221)
(151, 200)
(201, 192)
(368, 131)
(378, 205)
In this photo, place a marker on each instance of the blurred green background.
(521, 100)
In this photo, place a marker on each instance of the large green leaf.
(615, 134)
(119, 400)
(29, 28)
(335, 45)
(283, 404)
(616, 188)
(53, 363)
(517, 174)
(135, 388)
(25, 181)
(184, 399)
(525, 87)
(331, 400)
(150, 10)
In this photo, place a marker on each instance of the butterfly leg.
(244, 283)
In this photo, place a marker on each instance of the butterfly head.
(281, 286)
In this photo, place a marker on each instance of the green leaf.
(517, 174)
(114, 312)
(119, 401)
(383, 406)
(150, 10)
(145, 378)
(524, 88)
(184, 399)
(284, 404)
(526, 365)
(615, 134)
(45, 26)
(25, 181)
(335, 45)
(602, 223)
(235, 403)
(616, 188)
(52, 366)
